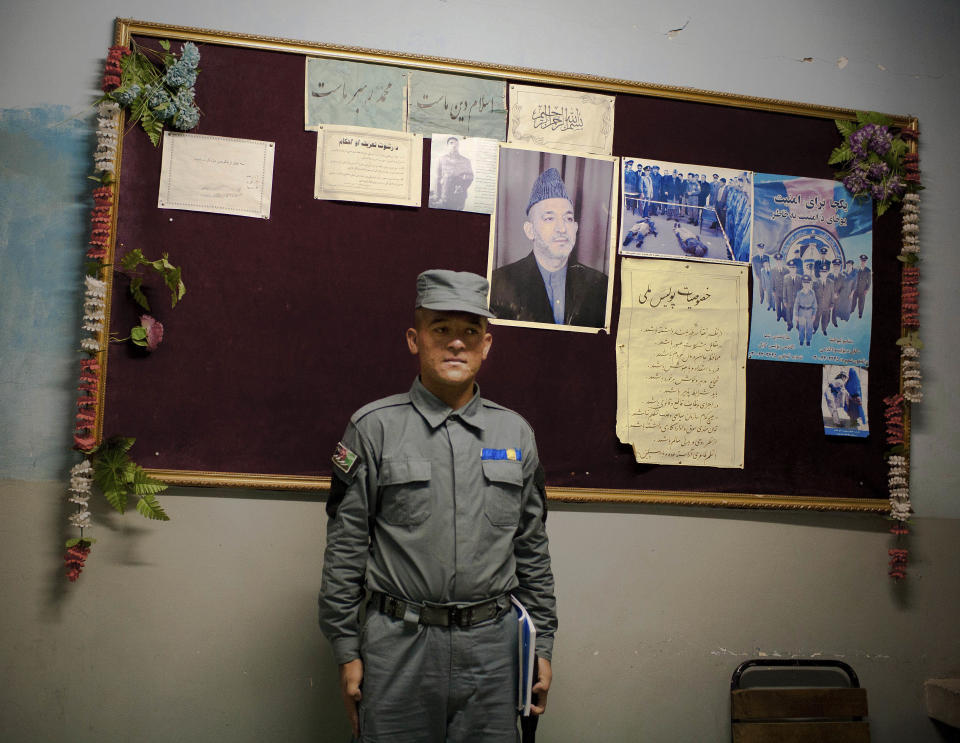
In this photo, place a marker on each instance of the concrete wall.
(203, 628)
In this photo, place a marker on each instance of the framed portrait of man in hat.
(552, 240)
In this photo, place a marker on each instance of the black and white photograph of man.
(674, 210)
(551, 241)
(463, 173)
(454, 174)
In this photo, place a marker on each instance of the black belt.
(443, 616)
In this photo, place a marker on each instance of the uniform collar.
(435, 411)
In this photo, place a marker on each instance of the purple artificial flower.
(878, 170)
(154, 331)
(881, 139)
(896, 186)
(858, 143)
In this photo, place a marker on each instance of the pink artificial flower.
(154, 331)
(84, 442)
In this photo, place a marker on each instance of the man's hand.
(351, 674)
(542, 686)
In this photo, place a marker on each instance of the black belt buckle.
(462, 616)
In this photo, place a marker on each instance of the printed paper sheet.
(222, 175)
(369, 165)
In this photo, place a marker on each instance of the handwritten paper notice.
(561, 119)
(354, 94)
(456, 104)
(681, 362)
(370, 165)
(222, 175)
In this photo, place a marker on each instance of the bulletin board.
(292, 323)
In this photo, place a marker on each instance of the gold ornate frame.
(126, 28)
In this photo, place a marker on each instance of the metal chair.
(803, 704)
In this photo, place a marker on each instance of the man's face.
(553, 229)
(453, 146)
(451, 346)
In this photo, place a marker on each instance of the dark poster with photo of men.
(677, 210)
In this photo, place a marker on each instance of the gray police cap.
(458, 291)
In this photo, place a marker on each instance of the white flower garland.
(81, 479)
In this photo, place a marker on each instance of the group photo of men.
(685, 211)
(812, 289)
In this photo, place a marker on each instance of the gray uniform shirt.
(439, 506)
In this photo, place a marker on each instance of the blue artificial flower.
(180, 75)
(190, 55)
(187, 118)
(184, 98)
(158, 99)
(126, 96)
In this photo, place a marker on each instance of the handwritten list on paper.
(369, 165)
(681, 362)
(220, 175)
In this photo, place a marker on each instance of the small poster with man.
(552, 240)
(843, 403)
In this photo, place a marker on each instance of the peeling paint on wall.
(44, 160)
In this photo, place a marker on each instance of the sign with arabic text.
(567, 120)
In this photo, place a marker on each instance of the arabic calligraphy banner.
(339, 91)
(568, 120)
(812, 260)
(457, 104)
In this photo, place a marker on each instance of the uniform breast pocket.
(504, 483)
(405, 491)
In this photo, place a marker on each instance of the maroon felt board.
(292, 323)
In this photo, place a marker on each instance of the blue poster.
(812, 260)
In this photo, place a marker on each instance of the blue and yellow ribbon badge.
(514, 455)
(343, 458)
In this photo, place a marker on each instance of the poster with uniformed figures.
(812, 263)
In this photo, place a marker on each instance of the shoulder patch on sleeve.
(344, 459)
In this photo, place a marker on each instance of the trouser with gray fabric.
(432, 684)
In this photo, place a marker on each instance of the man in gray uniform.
(437, 509)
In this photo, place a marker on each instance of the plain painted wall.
(204, 628)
